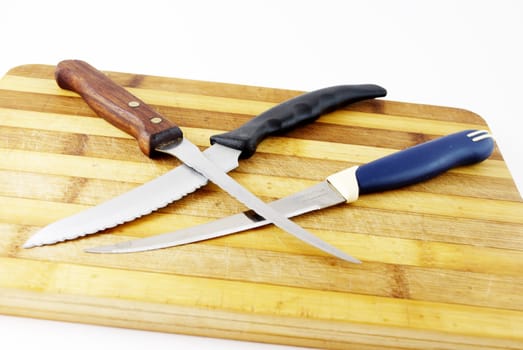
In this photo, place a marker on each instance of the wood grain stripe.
(395, 281)
(217, 323)
(71, 279)
(213, 203)
(138, 173)
(251, 108)
(364, 246)
(260, 94)
(351, 154)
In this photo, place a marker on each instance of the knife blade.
(157, 134)
(403, 168)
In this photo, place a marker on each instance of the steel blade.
(313, 198)
(140, 201)
(188, 153)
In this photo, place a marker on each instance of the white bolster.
(346, 183)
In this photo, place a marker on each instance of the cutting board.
(442, 260)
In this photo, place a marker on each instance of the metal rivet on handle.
(156, 120)
(133, 104)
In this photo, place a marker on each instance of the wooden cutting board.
(443, 260)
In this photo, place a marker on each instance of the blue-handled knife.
(406, 167)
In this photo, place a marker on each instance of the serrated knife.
(406, 167)
(156, 133)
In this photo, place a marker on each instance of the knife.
(406, 167)
(157, 134)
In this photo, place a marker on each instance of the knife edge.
(317, 197)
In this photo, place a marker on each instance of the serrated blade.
(317, 197)
(138, 202)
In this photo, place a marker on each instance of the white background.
(465, 54)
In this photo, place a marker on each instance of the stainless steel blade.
(138, 202)
(152, 195)
(191, 155)
(313, 198)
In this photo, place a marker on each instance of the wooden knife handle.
(116, 105)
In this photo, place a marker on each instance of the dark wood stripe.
(226, 121)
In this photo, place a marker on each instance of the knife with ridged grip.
(155, 133)
(406, 167)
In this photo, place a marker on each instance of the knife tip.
(95, 250)
(354, 261)
(105, 249)
(30, 243)
(345, 257)
(37, 242)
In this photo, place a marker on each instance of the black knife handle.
(296, 111)
(424, 161)
(116, 105)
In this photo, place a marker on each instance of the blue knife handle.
(424, 161)
(294, 112)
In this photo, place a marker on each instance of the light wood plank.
(366, 247)
(154, 288)
(217, 323)
(396, 122)
(250, 107)
(390, 280)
